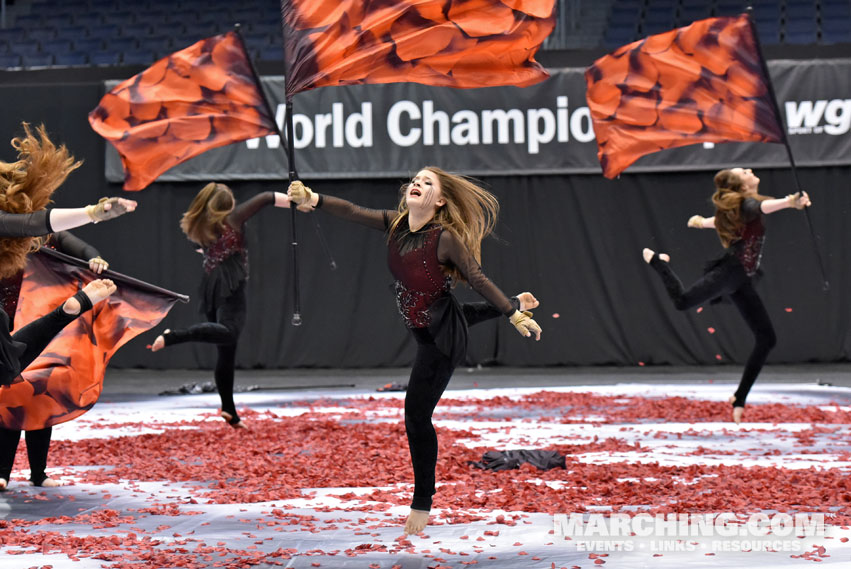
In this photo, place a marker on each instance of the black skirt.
(222, 282)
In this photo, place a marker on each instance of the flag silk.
(196, 99)
(705, 82)
(66, 380)
(445, 43)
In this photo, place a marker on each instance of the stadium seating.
(85, 32)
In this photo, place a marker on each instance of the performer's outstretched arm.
(452, 251)
(247, 209)
(796, 200)
(69, 218)
(308, 199)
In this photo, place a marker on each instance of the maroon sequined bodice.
(419, 278)
(230, 242)
(748, 248)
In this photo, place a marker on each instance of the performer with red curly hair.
(26, 186)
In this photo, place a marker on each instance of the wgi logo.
(819, 117)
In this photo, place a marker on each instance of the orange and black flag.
(444, 43)
(196, 99)
(705, 82)
(66, 380)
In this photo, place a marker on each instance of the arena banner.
(375, 131)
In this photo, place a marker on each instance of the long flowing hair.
(27, 185)
(470, 212)
(203, 221)
(728, 197)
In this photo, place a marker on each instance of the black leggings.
(36, 335)
(38, 444)
(430, 375)
(728, 277)
(223, 328)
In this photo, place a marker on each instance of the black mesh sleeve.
(375, 218)
(70, 244)
(242, 212)
(450, 251)
(25, 224)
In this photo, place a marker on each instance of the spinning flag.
(66, 380)
(196, 99)
(705, 82)
(445, 43)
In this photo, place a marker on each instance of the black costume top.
(62, 241)
(17, 225)
(748, 247)
(423, 290)
(226, 258)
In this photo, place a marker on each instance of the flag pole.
(293, 176)
(770, 85)
(288, 148)
(110, 274)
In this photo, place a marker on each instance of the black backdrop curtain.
(575, 241)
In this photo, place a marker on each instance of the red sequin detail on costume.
(419, 278)
(748, 249)
(10, 289)
(230, 242)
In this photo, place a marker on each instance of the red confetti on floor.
(348, 459)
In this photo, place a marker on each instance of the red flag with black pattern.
(446, 43)
(66, 380)
(196, 99)
(705, 82)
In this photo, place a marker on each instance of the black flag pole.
(770, 85)
(288, 148)
(110, 274)
(296, 320)
(292, 175)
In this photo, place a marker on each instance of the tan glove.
(301, 195)
(696, 221)
(98, 264)
(797, 201)
(98, 211)
(525, 325)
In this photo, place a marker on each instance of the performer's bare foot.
(96, 290)
(416, 522)
(50, 483)
(648, 256)
(738, 412)
(159, 343)
(3, 484)
(229, 420)
(527, 301)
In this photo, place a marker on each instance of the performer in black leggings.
(215, 223)
(26, 186)
(739, 212)
(38, 440)
(433, 239)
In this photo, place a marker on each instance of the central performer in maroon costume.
(434, 238)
